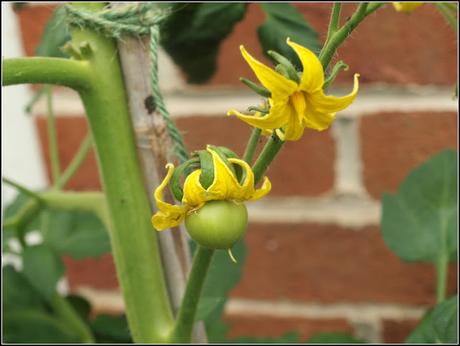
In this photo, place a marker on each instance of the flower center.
(297, 100)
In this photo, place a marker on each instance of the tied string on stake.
(135, 20)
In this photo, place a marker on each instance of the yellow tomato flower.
(295, 106)
(225, 186)
(406, 6)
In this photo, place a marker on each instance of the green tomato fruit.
(218, 224)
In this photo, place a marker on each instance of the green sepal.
(340, 65)
(287, 65)
(224, 157)
(175, 184)
(207, 168)
(258, 89)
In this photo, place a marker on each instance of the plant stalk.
(52, 136)
(182, 331)
(252, 145)
(266, 157)
(442, 266)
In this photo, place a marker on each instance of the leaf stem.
(266, 157)
(339, 36)
(183, 327)
(21, 188)
(441, 277)
(252, 145)
(67, 313)
(52, 136)
(446, 12)
(43, 70)
(334, 20)
(76, 162)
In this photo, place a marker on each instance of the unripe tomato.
(218, 224)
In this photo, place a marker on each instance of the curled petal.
(332, 104)
(274, 119)
(246, 189)
(318, 121)
(194, 193)
(313, 74)
(278, 85)
(225, 183)
(294, 129)
(406, 6)
(264, 189)
(169, 215)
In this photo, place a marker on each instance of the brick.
(270, 326)
(304, 167)
(388, 47)
(331, 264)
(97, 273)
(32, 21)
(401, 46)
(397, 331)
(70, 133)
(393, 144)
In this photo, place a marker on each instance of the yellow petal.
(406, 6)
(317, 120)
(294, 129)
(274, 119)
(265, 188)
(331, 104)
(194, 194)
(313, 74)
(246, 189)
(225, 183)
(278, 85)
(169, 215)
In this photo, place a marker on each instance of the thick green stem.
(71, 73)
(441, 277)
(334, 21)
(252, 145)
(182, 331)
(266, 157)
(134, 242)
(339, 36)
(67, 314)
(52, 136)
(76, 162)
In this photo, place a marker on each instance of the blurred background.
(316, 261)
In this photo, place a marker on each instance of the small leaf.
(77, 234)
(43, 268)
(206, 306)
(283, 21)
(18, 293)
(333, 338)
(33, 326)
(108, 329)
(54, 36)
(419, 222)
(424, 332)
(193, 33)
(81, 305)
(445, 320)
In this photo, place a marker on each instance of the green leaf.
(18, 292)
(81, 305)
(439, 325)
(54, 35)
(111, 329)
(419, 222)
(288, 338)
(445, 320)
(33, 326)
(43, 268)
(283, 21)
(193, 33)
(206, 306)
(424, 332)
(77, 234)
(333, 338)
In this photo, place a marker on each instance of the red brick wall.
(313, 263)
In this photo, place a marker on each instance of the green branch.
(52, 136)
(42, 70)
(252, 145)
(183, 327)
(266, 157)
(442, 266)
(334, 21)
(447, 13)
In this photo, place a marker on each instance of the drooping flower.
(225, 186)
(406, 6)
(295, 106)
